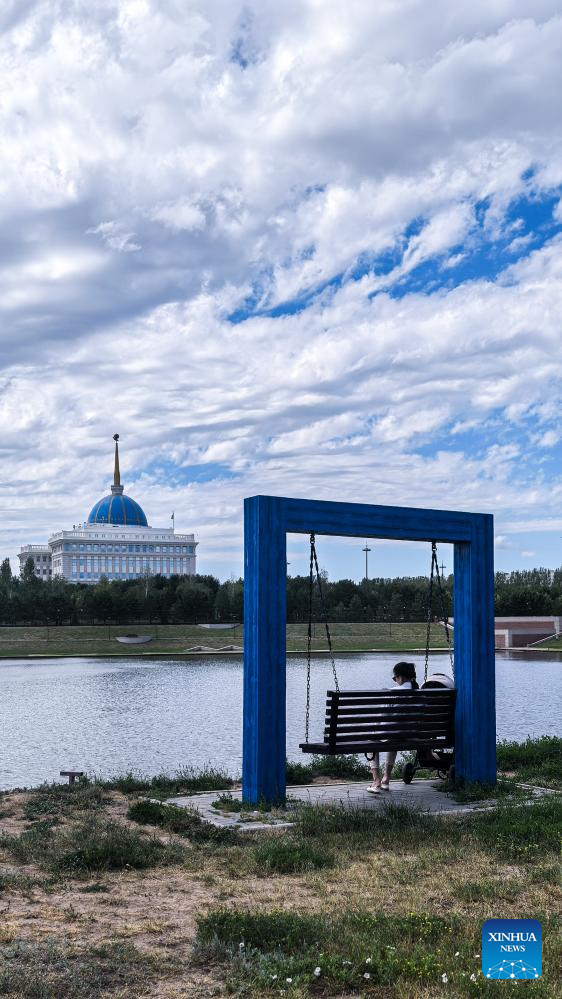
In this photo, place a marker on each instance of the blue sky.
(301, 249)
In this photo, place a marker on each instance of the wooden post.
(265, 619)
(475, 713)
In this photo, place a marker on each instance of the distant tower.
(117, 488)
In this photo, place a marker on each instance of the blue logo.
(511, 948)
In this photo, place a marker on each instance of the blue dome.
(118, 509)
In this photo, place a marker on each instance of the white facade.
(90, 551)
(41, 555)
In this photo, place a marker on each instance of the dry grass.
(152, 914)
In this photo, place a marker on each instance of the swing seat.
(373, 721)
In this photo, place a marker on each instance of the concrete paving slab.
(422, 795)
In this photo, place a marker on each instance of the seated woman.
(403, 674)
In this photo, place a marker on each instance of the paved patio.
(421, 795)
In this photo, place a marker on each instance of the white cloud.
(164, 165)
(548, 439)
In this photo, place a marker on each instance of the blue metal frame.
(267, 520)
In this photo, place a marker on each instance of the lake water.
(109, 716)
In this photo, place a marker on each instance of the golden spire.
(116, 475)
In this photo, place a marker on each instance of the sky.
(307, 249)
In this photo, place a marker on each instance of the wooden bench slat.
(351, 713)
(371, 721)
(395, 731)
(390, 730)
(402, 703)
(324, 748)
(392, 693)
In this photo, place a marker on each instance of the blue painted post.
(265, 576)
(475, 722)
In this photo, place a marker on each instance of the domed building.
(116, 542)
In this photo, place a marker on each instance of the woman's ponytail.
(408, 672)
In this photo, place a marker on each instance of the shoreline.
(234, 654)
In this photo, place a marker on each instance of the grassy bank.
(94, 640)
(104, 893)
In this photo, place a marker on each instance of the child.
(403, 674)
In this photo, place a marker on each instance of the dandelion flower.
(444, 977)
(241, 945)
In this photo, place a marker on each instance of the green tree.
(28, 576)
(6, 572)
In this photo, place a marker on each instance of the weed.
(344, 767)
(184, 781)
(393, 826)
(52, 971)
(520, 833)
(89, 846)
(353, 952)
(536, 761)
(182, 821)
(487, 889)
(476, 791)
(338, 767)
(263, 949)
(546, 874)
(284, 855)
(17, 882)
(226, 803)
(58, 799)
(298, 773)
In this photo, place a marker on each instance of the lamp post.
(366, 549)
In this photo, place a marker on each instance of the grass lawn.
(105, 893)
(101, 639)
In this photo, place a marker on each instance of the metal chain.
(324, 611)
(444, 613)
(435, 571)
(429, 608)
(313, 567)
(309, 639)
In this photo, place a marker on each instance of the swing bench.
(374, 721)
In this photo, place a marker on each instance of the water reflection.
(153, 715)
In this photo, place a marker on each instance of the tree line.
(25, 599)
